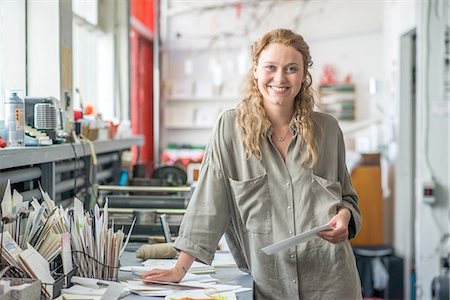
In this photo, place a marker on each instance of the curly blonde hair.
(251, 117)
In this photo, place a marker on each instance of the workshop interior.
(107, 107)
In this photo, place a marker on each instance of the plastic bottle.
(15, 121)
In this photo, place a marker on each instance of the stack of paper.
(199, 268)
(11, 205)
(223, 260)
(201, 295)
(90, 288)
(98, 248)
(196, 268)
(40, 242)
(37, 267)
(158, 288)
(10, 250)
(44, 227)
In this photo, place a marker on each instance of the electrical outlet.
(429, 192)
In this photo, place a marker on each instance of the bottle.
(15, 120)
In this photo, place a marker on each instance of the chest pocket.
(253, 202)
(326, 195)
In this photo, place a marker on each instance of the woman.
(273, 169)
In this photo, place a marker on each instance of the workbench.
(229, 275)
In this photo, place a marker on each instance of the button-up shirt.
(259, 202)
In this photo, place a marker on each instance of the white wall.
(361, 62)
(432, 221)
(400, 18)
(346, 34)
(428, 223)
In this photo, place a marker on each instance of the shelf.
(16, 157)
(190, 127)
(350, 127)
(201, 99)
(338, 100)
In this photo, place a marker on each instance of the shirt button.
(288, 184)
(290, 232)
(289, 207)
(294, 281)
(292, 256)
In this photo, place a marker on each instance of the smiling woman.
(280, 79)
(279, 72)
(273, 169)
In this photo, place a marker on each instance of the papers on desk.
(196, 268)
(292, 241)
(202, 296)
(223, 259)
(192, 286)
(95, 289)
(183, 288)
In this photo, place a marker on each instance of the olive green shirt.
(259, 202)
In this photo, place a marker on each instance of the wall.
(420, 228)
(218, 48)
(432, 220)
(361, 63)
(400, 18)
(361, 38)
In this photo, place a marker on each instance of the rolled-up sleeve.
(349, 196)
(207, 215)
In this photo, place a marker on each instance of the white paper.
(37, 267)
(159, 288)
(196, 267)
(128, 237)
(7, 201)
(66, 253)
(223, 260)
(11, 248)
(114, 291)
(47, 199)
(92, 283)
(80, 292)
(292, 241)
(17, 200)
(201, 295)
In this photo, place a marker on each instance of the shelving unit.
(64, 169)
(190, 119)
(198, 82)
(201, 99)
(338, 100)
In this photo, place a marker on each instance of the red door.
(141, 51)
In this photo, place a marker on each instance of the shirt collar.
(292, 128)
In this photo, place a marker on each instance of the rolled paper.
(162, 250)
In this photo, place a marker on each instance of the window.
(12, 47)
(100, 57)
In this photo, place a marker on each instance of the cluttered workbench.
(225, 275)
(96, 227)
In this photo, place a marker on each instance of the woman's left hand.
(339, 227)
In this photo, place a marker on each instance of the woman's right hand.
(169, 275)
(175, 274)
